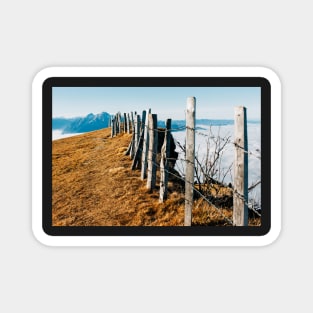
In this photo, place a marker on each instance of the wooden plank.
(240, 198)
(152, 153)
(165, 152)
(190, 158)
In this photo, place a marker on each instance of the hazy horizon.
(167, 102)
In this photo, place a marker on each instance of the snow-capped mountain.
(82, 124)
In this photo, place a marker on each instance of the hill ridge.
(93, 185)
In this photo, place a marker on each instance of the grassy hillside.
(93, 185)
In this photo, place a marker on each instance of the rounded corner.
(41, 236)
(270, 75)
(42, 76)
(271, 236)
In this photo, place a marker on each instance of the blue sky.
(167, 102)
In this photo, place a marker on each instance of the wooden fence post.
(116, 124)
(119, 122)
(145, 148)
(125, 123)
(240, 197)
(137, 130)
(143, 121)
(128, 123)
(165, 152)
(138, 153)
(153, 147)
(132, 121)
(190, 158)
(111, 124)
(132, 148)
(113, 127)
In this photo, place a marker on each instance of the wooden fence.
(143, 151)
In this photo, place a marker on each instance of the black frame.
(261, 82)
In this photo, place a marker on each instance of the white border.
(270, 237)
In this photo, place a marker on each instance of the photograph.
(156, 156)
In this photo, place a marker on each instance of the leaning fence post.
(137, 130)
(240, 197)
(145, 148)
(165, 152)
(190, 158)
(136, 136)
(138, 151)
(153, 147)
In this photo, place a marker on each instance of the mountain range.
(81, 124)
(93, 122)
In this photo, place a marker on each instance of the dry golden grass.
(93, 185)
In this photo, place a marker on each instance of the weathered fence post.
(132, 148)
(116, 124)
(128, 123)
(113, 127)
(153, 147)
(240, 197)
(145, 148)
(137, 130)
(111, 124)
(190, 158)
(165, 152)
(125, 123)
(132, 121)
(119, 122)
(143, 121)
(138, 153)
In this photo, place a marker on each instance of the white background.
(38, 34)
